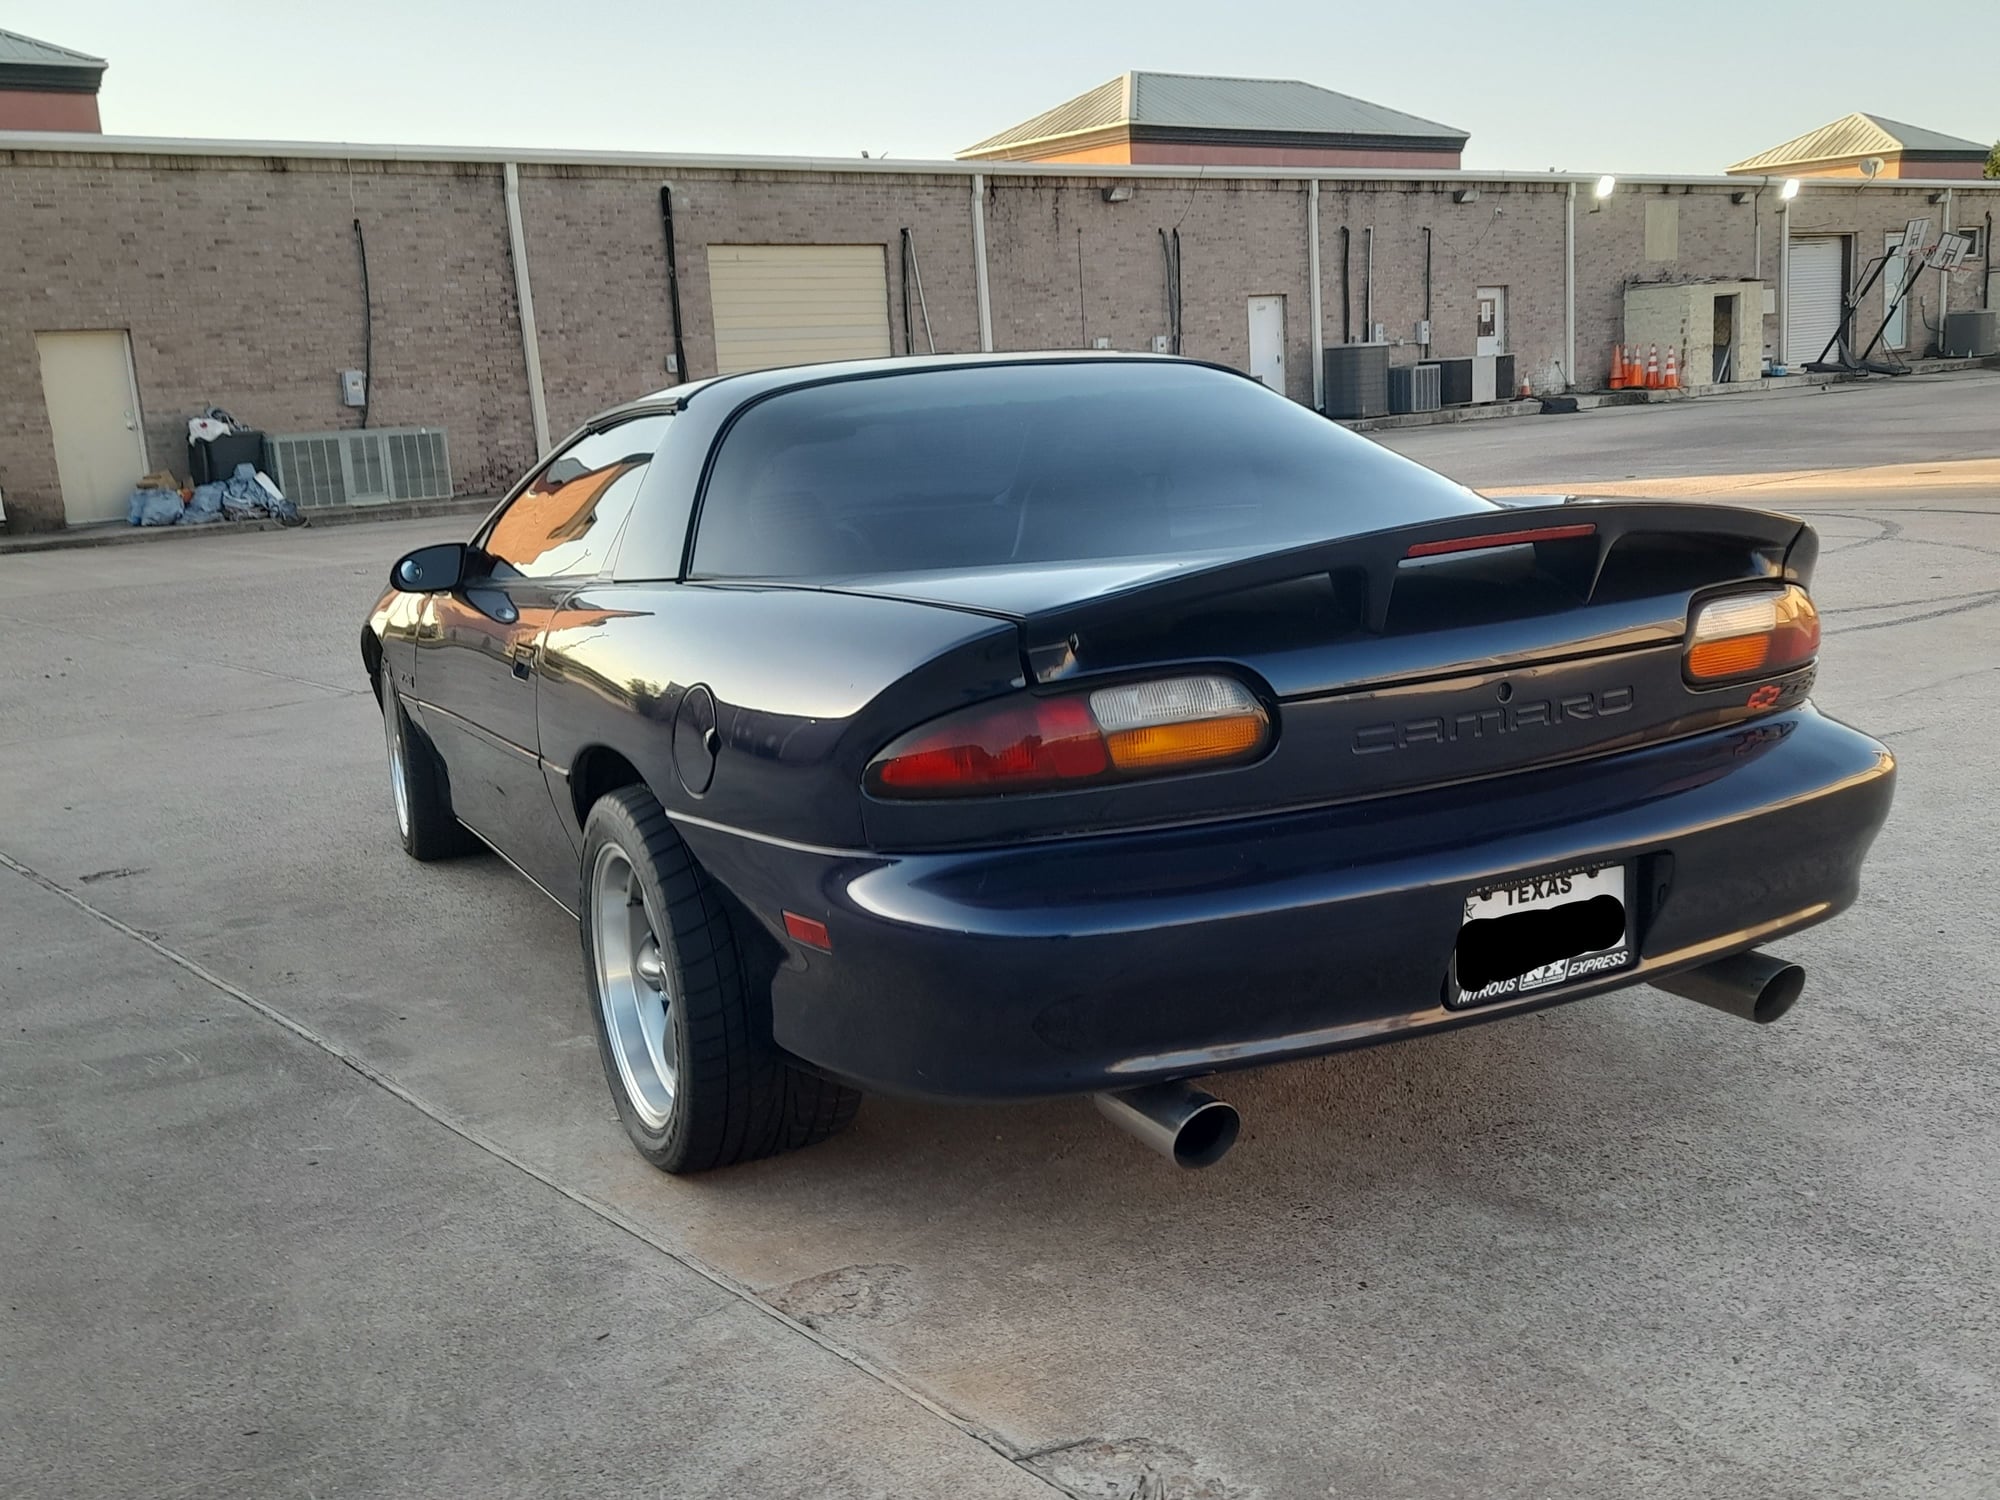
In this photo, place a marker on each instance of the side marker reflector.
(806, 930)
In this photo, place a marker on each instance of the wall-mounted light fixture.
(1465, 195)
(1790, 190)
(1739, 199)
(1936, 198)
(1606, 186)
(1118, 192)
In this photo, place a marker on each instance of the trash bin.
(211, 460)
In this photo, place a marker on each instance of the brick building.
(1184, 119)
(176, 275)
(46, 87)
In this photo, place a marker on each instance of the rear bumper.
(1083, 964)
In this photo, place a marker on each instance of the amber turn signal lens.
(1736, 657)
(1032, 744)
(1184, 744)
(1752, 635)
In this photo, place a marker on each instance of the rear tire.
(419, 792)
(684, 1043)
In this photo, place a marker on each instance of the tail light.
(1752, 635)
(1034, 744)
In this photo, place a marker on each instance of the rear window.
(998, 466)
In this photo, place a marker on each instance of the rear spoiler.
(1577, 535)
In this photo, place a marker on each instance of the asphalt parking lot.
(312, 1185)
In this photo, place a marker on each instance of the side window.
(563, 524)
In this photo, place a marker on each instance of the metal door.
(1490, 336)
(1267, 341)
(93, 404)
(1812, 297)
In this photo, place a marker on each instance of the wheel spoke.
(635, 991)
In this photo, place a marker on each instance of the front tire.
(418, 789)
(696, 1079)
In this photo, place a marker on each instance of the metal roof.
(1857, 135)
(1183, 101)
(25, 51)
(43, 67)
(109, 149)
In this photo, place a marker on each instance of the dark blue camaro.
(1006, 726)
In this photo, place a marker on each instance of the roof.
(129, 151)
(1183, 101)
(31, 64)
(1859, 135)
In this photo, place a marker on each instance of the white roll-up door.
(1812, 300)
(797, 304)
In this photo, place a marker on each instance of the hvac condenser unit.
(1973, 334)
(1415, 388)
(362, 466)
(1357, 380)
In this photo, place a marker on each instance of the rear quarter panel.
(806, 685)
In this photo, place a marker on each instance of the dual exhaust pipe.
(1193, 1129)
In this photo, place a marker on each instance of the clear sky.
(1583, 85)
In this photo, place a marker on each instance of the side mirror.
(432, 570)
(561, 472)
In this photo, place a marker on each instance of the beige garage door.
(797, 304)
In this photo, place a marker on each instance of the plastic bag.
(203, 506)
(275, 499)
(242, 499)
(153, 508)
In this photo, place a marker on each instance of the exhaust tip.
(1754, 986)
(1207, 1136)
(1779, 994)
(1189, 1127)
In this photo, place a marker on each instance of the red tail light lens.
(1034, 744)
(1020, 746)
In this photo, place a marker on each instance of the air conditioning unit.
(362, 466)
(1415, 388)
(1356, 378)
(1972, 335)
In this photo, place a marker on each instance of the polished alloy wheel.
(399, 763)
(633, 988)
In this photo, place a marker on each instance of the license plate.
(1539, 932)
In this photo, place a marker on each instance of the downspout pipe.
(1757, 234)
(1312, 281)
(1569, 286)
(979, 262)
(1944, 279)
(680, 370)
(1346, 285)
(524, 296)
(1368, 284)
(1784, 282)
(1424, 349)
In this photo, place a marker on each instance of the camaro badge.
(1479, 724)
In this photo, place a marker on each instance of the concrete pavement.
(1624, 1248)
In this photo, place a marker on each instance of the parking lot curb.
(114, 534)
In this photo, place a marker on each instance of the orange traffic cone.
(1653, 369)
(1635, 368)
(1673, 376)
(1527, 390)
(1617, 367)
